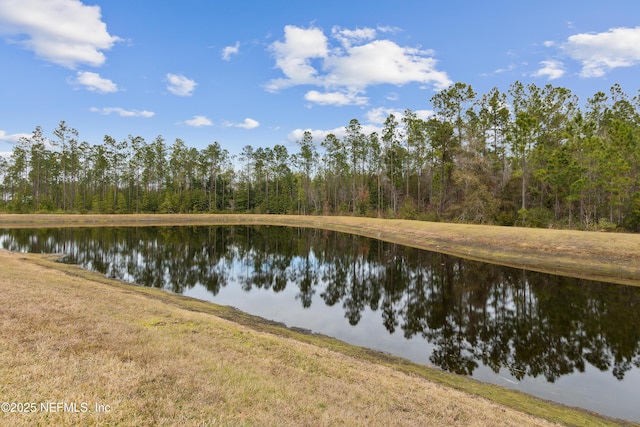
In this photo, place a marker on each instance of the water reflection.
(530, 324)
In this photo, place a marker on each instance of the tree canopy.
(532, 156)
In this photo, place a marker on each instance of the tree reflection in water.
(532, 324)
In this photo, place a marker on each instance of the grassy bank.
(146, 357)
(613, 257)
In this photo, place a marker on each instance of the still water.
(568, 340)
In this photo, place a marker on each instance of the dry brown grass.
(613, 257)
(68, 339)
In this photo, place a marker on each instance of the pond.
(563, 339)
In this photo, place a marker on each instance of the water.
(568, 340)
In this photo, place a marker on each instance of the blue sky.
(261, 72)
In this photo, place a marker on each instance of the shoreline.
(599, 256)
(99, 334)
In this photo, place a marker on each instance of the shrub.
(535, 217)
(605, 225)
(408, 209)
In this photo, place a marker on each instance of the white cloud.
(180, 85)
(64, 32)
(122, 112)
(602, 52)
(383, 61)
(389, 29)
(551, 69)
(348, 69)
(424, 114)
(248, 123)
(380, 114)
(198, 121)
(230, 50)
(348, 37)
(293, 56)
(335, 98)
(94, 83)
(506, 69)
(13, 138)
(319, 135)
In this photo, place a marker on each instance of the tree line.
(531, 156)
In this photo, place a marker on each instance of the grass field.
(138, 356)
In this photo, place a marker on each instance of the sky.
(260, 73)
